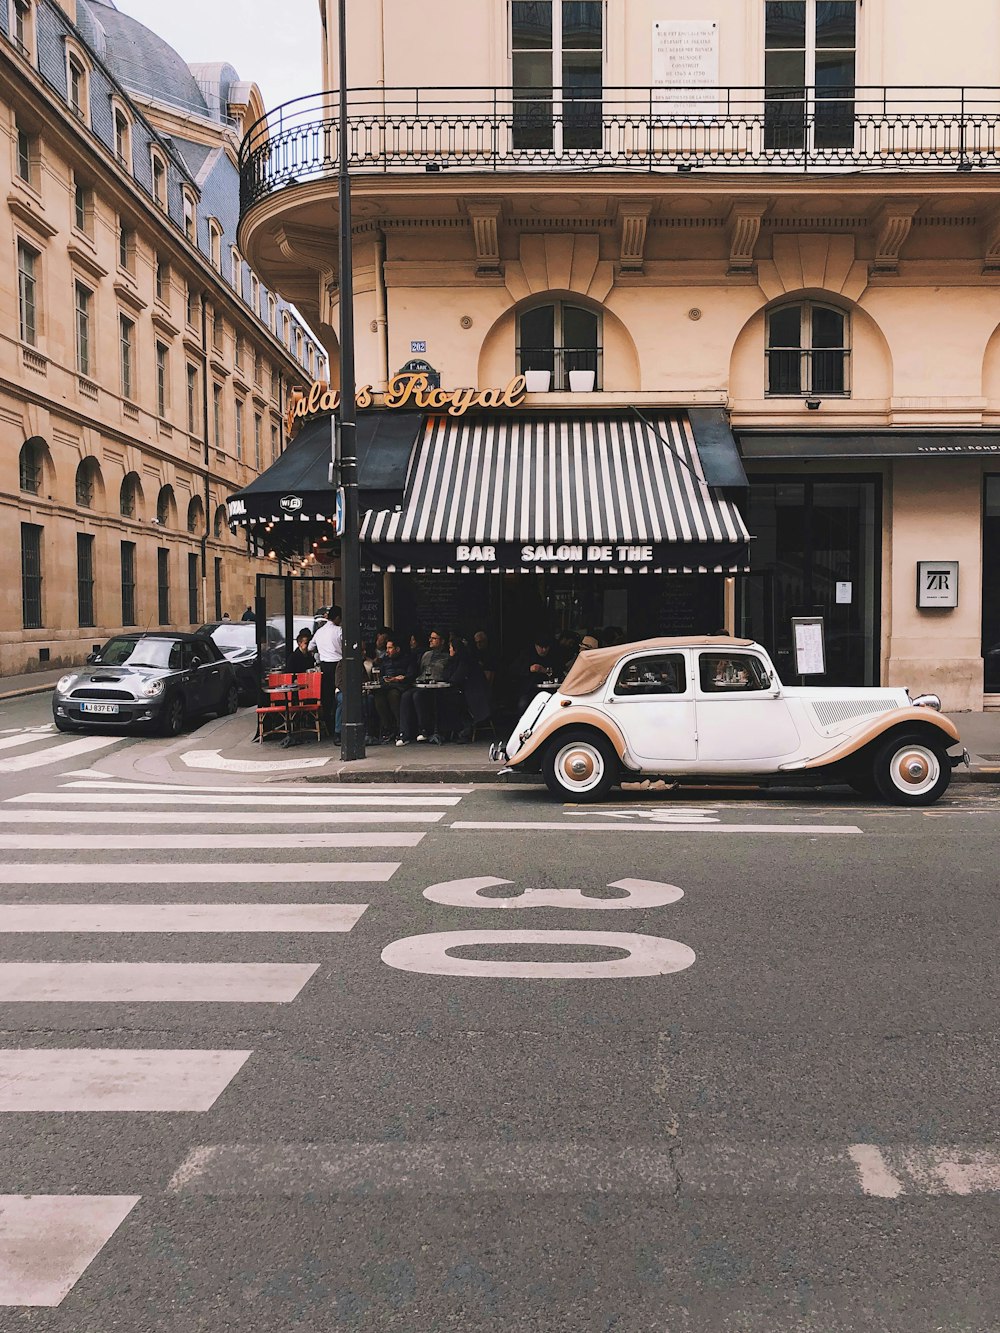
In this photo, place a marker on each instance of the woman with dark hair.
(468, 702)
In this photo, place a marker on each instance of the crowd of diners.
(438, 686)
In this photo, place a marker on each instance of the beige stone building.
(143, 363)
(776, 222)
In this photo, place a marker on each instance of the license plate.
(98, 708)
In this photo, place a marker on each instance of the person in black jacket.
(536, 668)
(301, 659)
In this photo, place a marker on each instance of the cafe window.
(665, 674)
(563, 341)
(725, 673)
(557, 73)
(809, 72)
(807, 351)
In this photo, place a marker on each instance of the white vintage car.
(697, 708)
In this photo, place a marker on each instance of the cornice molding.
(31, 215)
(85, 258)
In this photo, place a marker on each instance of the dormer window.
(236, 270)
(76, 88)
(190, 218)
(123, 139)
(22, 27)
(215, 244)
(159, 174)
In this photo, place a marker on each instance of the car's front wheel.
(231, 701)
(911, 770)
(172, 722)
(580, 765)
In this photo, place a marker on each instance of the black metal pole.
(353, 728)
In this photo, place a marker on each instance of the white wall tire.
(911, 770)
(580, 765)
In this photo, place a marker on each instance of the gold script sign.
(405, 391)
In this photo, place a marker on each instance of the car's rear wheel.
(911, 769)
(173, 716)
(580, 765)
(231, 701)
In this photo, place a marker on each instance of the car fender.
(897, 718)
(570, 715)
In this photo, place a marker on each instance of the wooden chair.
(307, 710)
(275, 710)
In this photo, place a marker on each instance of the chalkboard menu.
(445, 601)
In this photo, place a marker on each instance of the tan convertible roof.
(593, 667)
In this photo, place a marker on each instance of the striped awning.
(584, 494)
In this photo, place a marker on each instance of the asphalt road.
(287, 1115)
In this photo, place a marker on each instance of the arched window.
(130, 495)
(166, 507)
(31, 466)
(195, 515)
(158, 170)
(88, 479)
(808, 351)
(123, 137)
(563, 341)
(220, 525)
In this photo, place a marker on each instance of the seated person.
(654, 675)
(302, 659)
(394, 666)
(431, 668)
(542, 666)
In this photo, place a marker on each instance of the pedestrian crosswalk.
(25, 748)
(144, 836)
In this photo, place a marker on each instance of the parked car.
(155, 680)
(237, 639)
(695, 708)
(298, 623)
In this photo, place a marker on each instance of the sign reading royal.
(414, 391)
(236, 509)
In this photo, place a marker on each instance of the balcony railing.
(637, 130)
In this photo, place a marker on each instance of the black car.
(237, 639)
(154, 680)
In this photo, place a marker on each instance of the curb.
(415, 775)
(24, 693)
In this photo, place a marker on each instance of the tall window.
(215, 243)
(557, 61)
(159, 180)
(163, 584)
(218, 330)
(126, 247)
(128, 583)
(239, 430)
(192, 398)
(77, 87)
(258, 426)
(190, 218)
(217, 586)
(255, 293)
(236, 270)
(561, 339)
(193, 581)
(807, 350)
(162, 379)
(83, 208)
(238, 350)
(165, 506)
(22, 26)
(162, 279)
(126, 342)
(191, 307)
(85, 578)
(25, 156)
(274, 444)
(128, 495)
(87, 477)
(83, 298)
(31, 576)
(271, 313)
(217, 415)
(123, 139)
(286, 325)
(27, 293)
(809, 71)
(30, 467)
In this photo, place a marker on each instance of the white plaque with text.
(686, 66)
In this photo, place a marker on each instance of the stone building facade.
(143, 363)
(788, 213)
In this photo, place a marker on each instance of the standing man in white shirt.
(328, 643)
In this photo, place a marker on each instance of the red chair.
(278, 710)
(307, 710)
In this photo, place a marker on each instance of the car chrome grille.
(831, 711)
(101, 694)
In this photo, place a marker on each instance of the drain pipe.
(208, 504)
(381, 312)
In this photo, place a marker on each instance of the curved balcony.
(631, 130)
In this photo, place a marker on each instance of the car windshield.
(138, 653)
(235, 636)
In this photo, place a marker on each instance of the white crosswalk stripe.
(54, 754)
(48, 1241)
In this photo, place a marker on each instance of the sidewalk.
(226, 745)
(32, 682)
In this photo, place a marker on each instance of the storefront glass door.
(991, 586)
(815, 553)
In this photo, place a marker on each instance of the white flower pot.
(582, 381)
(537, 381)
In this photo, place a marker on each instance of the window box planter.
(537, 381)
(582, 381)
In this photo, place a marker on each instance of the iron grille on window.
(85, 578)
(128, 583)
(193, 580)
(85, 485)
(163, 584)
(31, 576)
(30, 468)
(127, 497)
(559, 339)
(217, 576)
(807, 352)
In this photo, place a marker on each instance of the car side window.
(732, 673)
(665, 674)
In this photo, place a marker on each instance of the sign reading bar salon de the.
(404, 391)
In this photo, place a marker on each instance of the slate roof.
(144, 61)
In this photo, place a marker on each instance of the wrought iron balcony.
(635, 130)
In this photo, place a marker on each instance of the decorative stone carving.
(892, 226)
(743, 226)
(634, 222)
(991, 243)
(485, 219)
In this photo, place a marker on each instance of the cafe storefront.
(518, 522)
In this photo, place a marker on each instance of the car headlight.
(63, 683)
(151, 688)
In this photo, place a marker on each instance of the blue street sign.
(338, 513)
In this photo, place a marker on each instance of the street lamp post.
(353, 728)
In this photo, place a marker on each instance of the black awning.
(297, 486)
(720, 458)
(871, 444)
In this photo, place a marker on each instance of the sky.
(276, 47)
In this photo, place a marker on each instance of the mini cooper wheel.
(580, 766)
(173, 716)
(231, 701)
(911, 770)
